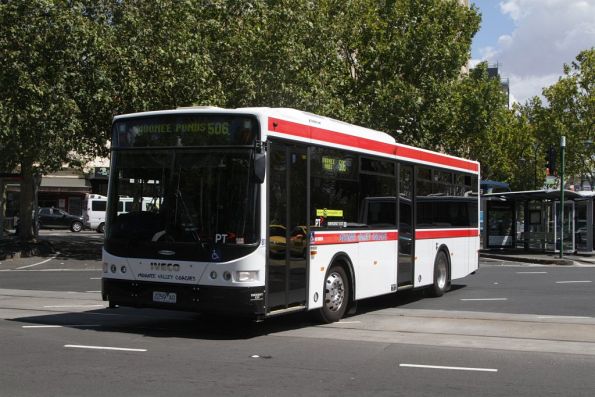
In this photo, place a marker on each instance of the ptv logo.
(220, 238)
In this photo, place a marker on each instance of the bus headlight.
(246, 276)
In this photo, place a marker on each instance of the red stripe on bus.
(428, 234)
(352, 237)
(320, 134)
(416, 154)
(287, 127)
(351, 140)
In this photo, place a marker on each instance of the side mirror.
(260, 166)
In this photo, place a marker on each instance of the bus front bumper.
(241, 301)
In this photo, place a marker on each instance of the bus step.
(287, 310)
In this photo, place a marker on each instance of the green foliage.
(54, 90)
(569, 111)
(478, 124)
(158, 58)
(401, 57)
(49, 79)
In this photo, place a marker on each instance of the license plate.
(164, 297)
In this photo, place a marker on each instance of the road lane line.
(39, 263)
(126, 349)
(449, 368)
(42, 326)
(563, 317)
(62, 326)
(486, 299)
(349, 322)
(572, 282)
(93, 291)
(95, 278)
(63, 306)
(531, 272)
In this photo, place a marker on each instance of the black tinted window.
(98, 205)
(445, 199)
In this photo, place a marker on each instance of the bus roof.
(308, 127)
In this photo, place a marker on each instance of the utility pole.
(562, 148)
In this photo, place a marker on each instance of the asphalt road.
(509, 330)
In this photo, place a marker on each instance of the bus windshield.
(205, 198)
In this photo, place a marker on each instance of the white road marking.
(450, 368)
(349, 322)
(486, 299)
(105, 348)
(63, 306)
(93, 291)
(95, 278)
(42, 326)
(37, 264)
(61, 326)
(563, 317)
(531, 272)
(571, 282)
(51, 270)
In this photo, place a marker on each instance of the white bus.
(267, 211)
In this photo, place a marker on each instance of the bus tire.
(441, 275)
(335, 295)
(101, 228)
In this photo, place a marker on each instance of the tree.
(571, 113)
(402, 57)
(55, 95)
(158, 58)
(568, 110)
(478, 124)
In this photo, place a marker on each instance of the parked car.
(55, 218)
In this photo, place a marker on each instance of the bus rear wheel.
(336, 295)
(441, 276)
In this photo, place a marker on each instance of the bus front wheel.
(441, 275)
(336, 295)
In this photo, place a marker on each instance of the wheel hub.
(334, 293)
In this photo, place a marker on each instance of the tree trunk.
(27, 199)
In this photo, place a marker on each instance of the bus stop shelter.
(530, 221)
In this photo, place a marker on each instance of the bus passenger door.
(405, 272)
(288, 227)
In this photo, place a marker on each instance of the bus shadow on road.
(172, 324)
(400, 299)
(169, 324)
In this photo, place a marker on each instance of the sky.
(531, 40)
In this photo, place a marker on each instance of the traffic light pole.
(562, 148)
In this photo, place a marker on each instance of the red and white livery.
(263, 211)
